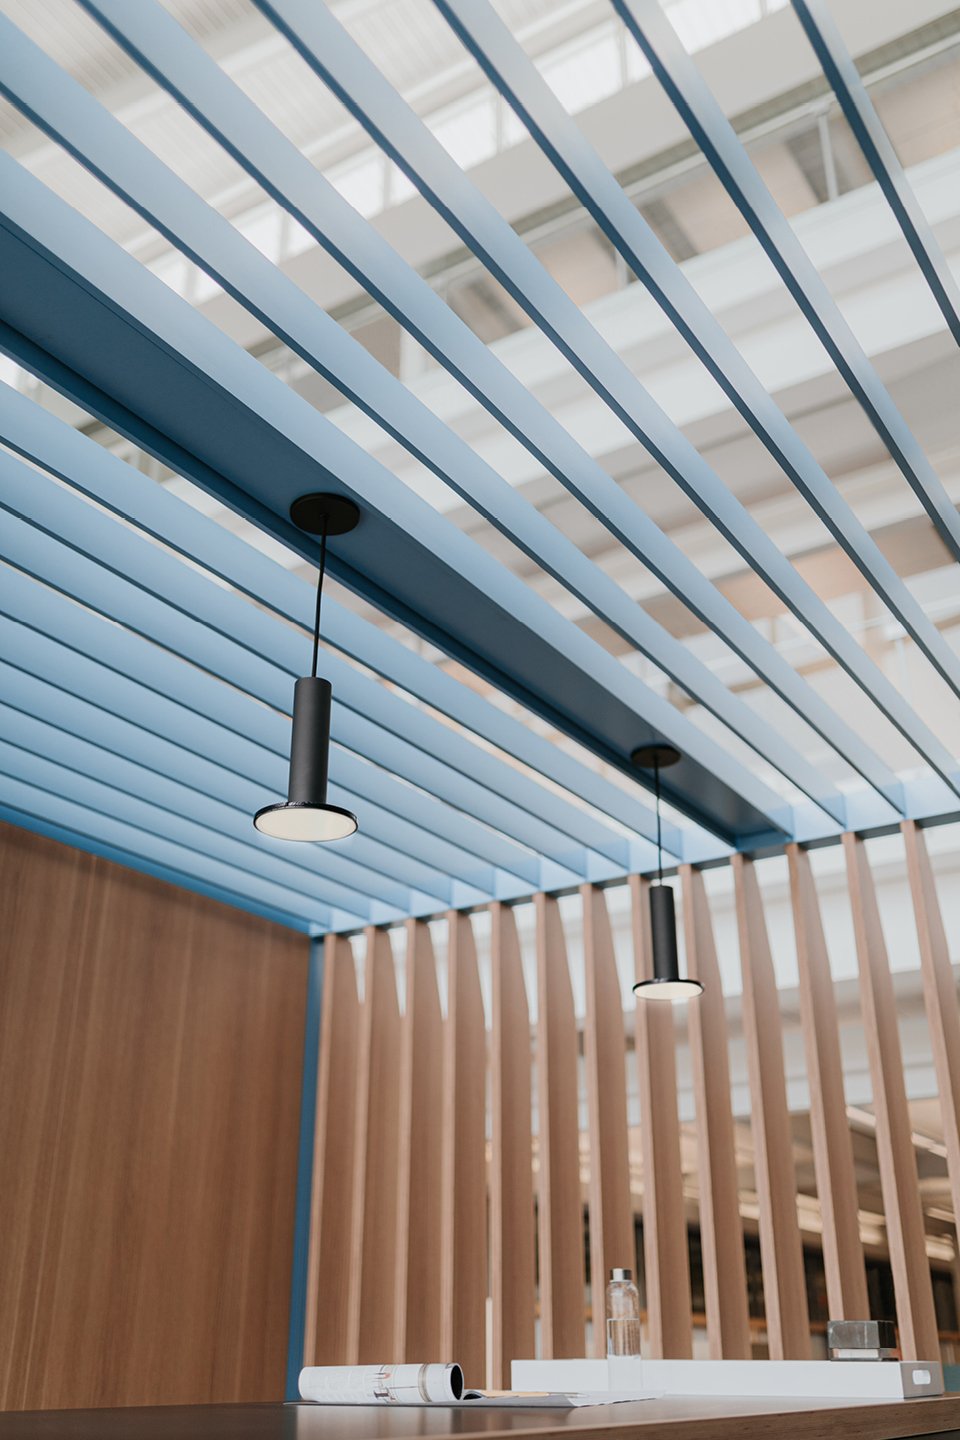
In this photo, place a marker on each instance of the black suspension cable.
(656, 783)
(316, 621)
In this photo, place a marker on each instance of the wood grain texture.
(463, 1236)
(512, 1241)
(832, 1148)
(560, 1208)
(373, 1247)
(781, 1249)
(151, 1044)
(419, 1172)
(612, 1240)
(939, 995)
(326, 1332)
(665, 1249)
(668, 1418)
(721, 1229)
(899, 1182)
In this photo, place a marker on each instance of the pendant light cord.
(656, 784)
(316, 620)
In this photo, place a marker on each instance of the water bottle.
(623, 1314)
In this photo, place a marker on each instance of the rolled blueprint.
(382, 1384)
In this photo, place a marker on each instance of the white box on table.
(764, 1379)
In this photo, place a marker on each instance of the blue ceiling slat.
(159, 44)
(246, 737)
(72, 117)
(694, 101)
(840, 69)
(201, 772)
(293, 866)
(87, 467)
(39, 754)
(190, 615)
(86, 831)
(562, 141)
(103, 313)
(48, 791)
(398, 130)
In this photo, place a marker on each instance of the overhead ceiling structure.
(148, 653)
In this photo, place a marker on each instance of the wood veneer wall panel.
(419, 1176)
(939, 994)
(512, 1278)
(899, 1182)
(151, 1045)
(666, 1255)
(781, 1249)
(326, 1334)
(832, 1148)
(560, 1210)
(373, 1257)
(605, 1062)
(463, 1237)
(721, 1229)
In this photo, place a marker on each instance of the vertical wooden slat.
(832, 1148)
(897, 1159)
(328, 1266)
(721, 1229)
(512, 1283)
(781, 1249)
(611, 1212)
(464, 1214)
(560, 1209)
(665, 1249)
(939, 994)
(374, 1237)
(418, 1285)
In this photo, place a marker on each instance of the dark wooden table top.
(674, 1418)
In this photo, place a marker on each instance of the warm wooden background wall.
(151, 1044)
(400, 1137)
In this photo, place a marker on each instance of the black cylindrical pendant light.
(667, 983)
(305, 814)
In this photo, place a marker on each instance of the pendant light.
(305, 814)
(667, 982)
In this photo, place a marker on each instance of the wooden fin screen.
(784, 1283)
(721, 1229)
(665, 1248)
(438, 1233)
(605, 1062)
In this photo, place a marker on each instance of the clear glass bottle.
(623, 1314)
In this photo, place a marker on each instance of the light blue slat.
(55, 767)
(167, 52)
(840, 69)
(270, 442)
(360, 86)
(563, 142)
(681, 79)
(87, 832)
(200, 772)
(188, 706)
(235, 641)
(86, 466)
(72, 117)
(47, 791)
(292, 866)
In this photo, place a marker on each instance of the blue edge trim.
(301, 1221)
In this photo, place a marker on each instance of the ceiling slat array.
(148, 653)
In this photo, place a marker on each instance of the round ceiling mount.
(656, 756)
(308, 512)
